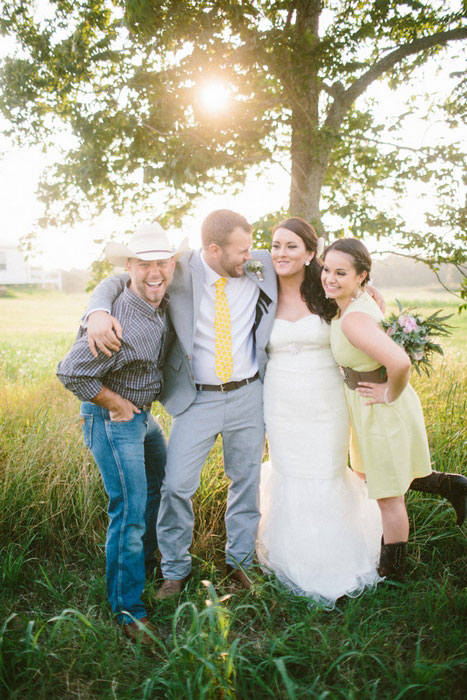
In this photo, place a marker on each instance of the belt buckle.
(221, 386)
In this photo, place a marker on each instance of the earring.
(358, 293)
(307, 262)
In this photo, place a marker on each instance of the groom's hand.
(104, 333)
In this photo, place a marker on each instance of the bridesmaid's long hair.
(311, 289)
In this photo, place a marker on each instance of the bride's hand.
(373, 392)
(377, 296)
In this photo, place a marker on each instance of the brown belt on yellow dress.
(352, 377)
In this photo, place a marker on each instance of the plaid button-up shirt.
(135, 371)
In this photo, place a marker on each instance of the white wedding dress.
(318, 533)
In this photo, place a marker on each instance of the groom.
(222, 313)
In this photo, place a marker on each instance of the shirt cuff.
(85, 390)
(84, 320)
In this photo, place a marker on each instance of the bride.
(318, 533)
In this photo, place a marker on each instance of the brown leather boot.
(138, 632)
(238, 576)
(392, 561)
(453, 487)
(170, 588)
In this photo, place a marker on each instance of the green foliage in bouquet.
(415, 334)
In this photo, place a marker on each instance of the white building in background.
(14, 269)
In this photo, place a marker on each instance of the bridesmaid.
(388, 440)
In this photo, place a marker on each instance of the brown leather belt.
(352, 377)
(230, 386)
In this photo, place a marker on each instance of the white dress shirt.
(242, 294)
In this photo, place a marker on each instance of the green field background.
(57, 637)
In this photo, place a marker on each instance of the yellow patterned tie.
(224, 360)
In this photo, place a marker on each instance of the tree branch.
(359, 138)
(292, 9)
(343, 102)
(336, 90)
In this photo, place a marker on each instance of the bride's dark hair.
(311, 289)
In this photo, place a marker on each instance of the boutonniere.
(257, 267)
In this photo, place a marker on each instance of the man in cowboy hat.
(127, 443)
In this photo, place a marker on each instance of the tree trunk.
(308, 174)
(309, 157)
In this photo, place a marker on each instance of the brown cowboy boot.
(450, 486)
(392, 561)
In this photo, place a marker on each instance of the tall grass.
(57, 637)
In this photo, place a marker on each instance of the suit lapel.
(267, 286)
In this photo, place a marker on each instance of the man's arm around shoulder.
(104, 330)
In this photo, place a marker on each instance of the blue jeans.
(131, 458)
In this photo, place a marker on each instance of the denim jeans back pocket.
(86, 424)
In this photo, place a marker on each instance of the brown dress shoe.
(169, 588)
(136, 634)
(239, 577)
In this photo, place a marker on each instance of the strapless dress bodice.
(300, 345)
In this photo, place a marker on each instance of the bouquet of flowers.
(415, 334)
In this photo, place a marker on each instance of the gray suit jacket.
(185, 295)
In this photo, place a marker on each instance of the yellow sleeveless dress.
(388, 443)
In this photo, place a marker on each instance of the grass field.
(57, 638)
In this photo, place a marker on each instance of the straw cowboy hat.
(149, 242)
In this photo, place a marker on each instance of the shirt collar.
(164, 302)
(210, 275)
(138, 303)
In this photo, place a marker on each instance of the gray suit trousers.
(238, 416)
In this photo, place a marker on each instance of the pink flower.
(390, 331)
(418, 356)
(408, 324)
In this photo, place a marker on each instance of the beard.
(230, 268)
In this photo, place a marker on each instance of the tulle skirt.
(320, 537)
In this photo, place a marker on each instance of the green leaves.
(125, 80)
